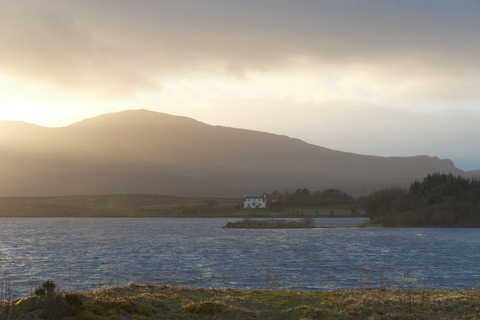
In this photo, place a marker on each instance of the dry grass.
(166, 302)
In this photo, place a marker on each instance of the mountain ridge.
(141, 151)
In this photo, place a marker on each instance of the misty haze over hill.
(140, 151)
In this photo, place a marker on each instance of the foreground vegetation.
(440, 200)
(166, 302)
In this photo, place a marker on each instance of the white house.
(255, 202)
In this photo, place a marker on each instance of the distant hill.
(147, 152)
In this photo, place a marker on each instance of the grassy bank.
(269, 224)
(166, 302)
(138, 205)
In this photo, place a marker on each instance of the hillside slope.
(140, 151)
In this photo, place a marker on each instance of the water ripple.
(87, 253)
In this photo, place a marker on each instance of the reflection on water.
(88, 253)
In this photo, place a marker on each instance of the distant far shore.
(303, 223)
(156, 206)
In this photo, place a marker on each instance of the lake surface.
(87, 253)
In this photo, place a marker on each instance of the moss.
(206, 308)
(22, 307)
(308, 311)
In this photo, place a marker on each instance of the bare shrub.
(272, 280)
(307, 220)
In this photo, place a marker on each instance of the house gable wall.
(255, 202)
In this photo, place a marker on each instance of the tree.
(385, 201)
(334, 196)
(276, 195)
(277, 206)
(305, 193)
(438, 200)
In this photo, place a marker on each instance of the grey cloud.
(49, 46)
(130, 43)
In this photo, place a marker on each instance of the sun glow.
(32, 112)
(37, 103)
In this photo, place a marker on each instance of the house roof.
(254, 197)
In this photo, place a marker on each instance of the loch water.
(87, 253)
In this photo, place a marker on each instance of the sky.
(377, 77)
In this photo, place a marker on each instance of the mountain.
(140, 151)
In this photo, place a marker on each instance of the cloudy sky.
(380, 77)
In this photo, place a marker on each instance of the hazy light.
(332, 73)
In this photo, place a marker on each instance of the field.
(154, 206)
(166, 302)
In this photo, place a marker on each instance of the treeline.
(306, 198)
(440, 200)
